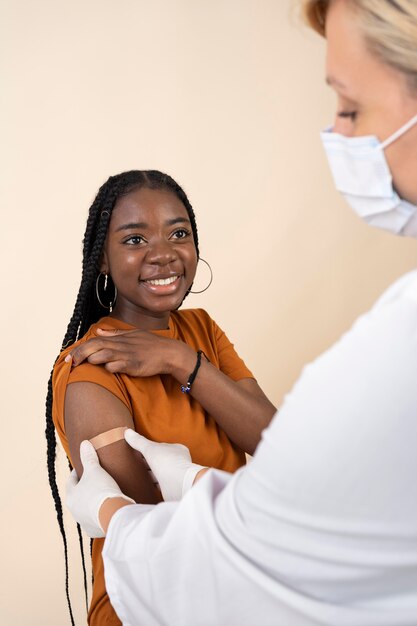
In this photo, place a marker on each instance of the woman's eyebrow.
(343, 89)
(334, 82)
(177, 220)
(144, 225)
(132, 225)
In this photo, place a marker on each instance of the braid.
(51, 450)
(81, 542)
(88, 310)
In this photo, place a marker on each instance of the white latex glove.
(85, 497)
(170, 463)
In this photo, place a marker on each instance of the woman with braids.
(320, 529)
(130, 358)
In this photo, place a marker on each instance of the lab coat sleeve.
(159, 565)
(171, 565)
(320, 528)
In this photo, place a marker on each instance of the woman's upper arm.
(90, 410)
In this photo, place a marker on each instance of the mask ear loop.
(211, 277)
(399, 133)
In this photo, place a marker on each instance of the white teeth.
(163, 281)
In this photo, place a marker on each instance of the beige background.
(228, 97)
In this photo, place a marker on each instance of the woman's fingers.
(100, 350)
(107, 355)
(122, 366)
(137, 353)
(112, 332)
(84, 351)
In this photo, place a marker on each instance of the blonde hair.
(389, 27)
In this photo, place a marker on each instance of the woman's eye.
(181, 233)
(134, 240)
(348, 114)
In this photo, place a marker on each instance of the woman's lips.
(162, 285)
(162, 281)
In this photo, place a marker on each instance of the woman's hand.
(132, 352)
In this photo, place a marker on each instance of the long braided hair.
(88, 309)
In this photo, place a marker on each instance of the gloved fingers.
(88, 455)
(136, 441)
(145, 446)
(182, 449)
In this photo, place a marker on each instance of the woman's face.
(372, 97)
(150, 255)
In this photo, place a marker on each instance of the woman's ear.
(104, 264)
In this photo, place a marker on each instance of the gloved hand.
(170, 463)
(85, 497)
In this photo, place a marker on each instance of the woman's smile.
(163, 285)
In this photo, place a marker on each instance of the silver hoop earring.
(211, 277)
(112, 302)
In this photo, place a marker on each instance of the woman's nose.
(344, 123)
(161, 253)
(343, 126)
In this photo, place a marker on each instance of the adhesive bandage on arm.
(110, 436)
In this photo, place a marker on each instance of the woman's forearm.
(240, 408)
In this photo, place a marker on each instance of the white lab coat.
(320, 528)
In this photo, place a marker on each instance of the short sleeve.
(230, 362)
(64, 375)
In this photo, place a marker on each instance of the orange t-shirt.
(160, 411)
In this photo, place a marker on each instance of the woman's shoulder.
(104, 322)
(190, 315)
(195, 319)
(194, 323)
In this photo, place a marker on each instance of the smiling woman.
(152, 261)
(130, 358)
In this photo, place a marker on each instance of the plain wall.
(228, 97)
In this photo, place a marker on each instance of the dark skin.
(151, 256)
(90, 410)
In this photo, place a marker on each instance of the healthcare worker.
(321, 527)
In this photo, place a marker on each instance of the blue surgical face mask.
(361, 173)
